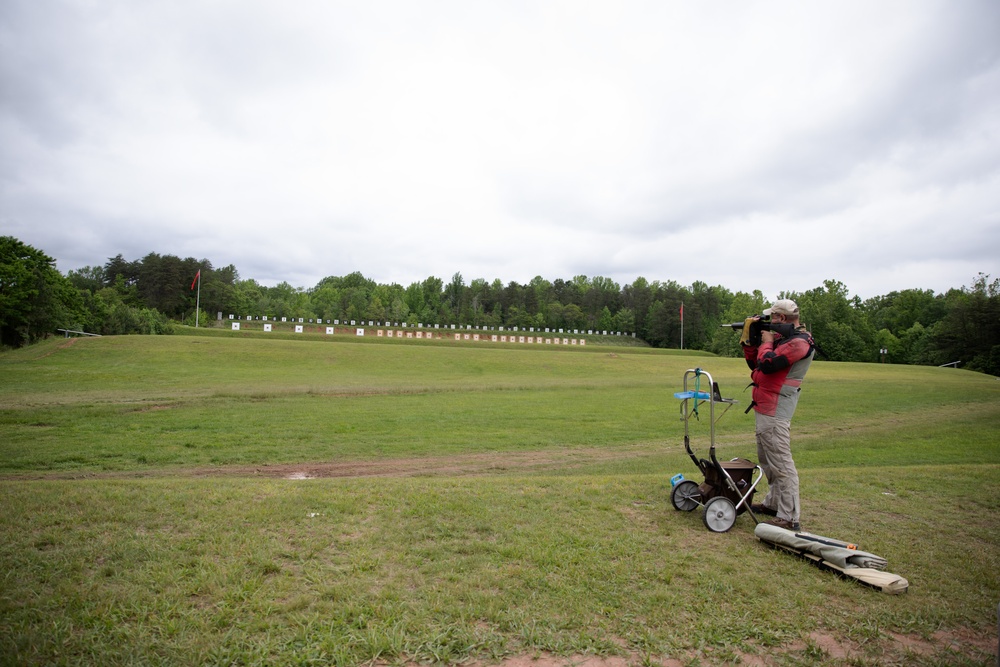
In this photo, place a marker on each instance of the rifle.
(755, 324)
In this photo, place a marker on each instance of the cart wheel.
(685, 496)
(720, 514)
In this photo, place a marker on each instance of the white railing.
(81, 333)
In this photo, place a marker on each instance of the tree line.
(148, 295)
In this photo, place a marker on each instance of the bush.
(203, 320)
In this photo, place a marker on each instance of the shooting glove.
(748, 332)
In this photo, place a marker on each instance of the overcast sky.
(753, 145)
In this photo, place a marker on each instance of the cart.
(729, 485)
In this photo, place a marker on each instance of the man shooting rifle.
(778, 351)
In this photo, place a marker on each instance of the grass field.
(228, 499)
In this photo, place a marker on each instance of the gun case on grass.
(834, 555)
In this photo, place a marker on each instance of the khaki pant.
(774, 452)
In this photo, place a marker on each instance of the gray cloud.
(508, 140)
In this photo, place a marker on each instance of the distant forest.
(148, 295)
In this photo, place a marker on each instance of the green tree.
(598, 294)
(247, 299)
(624, 321)
(398, 311)
(117, 267)
(414, 299)
(89, 278)
(891, 344)
(725, 341)
(283, 300)
(357, 304)
(479, 298)
(970, 332)
(35, 299)
(218, 289)
(390, 302)
(512, 296)
(326, 301)
(455, 294)
(540, 298)
(662, 326)
(916, 346)
(376, 311)
(555, 315)
(898, 311)
(638, 297)
(116, 317)
(703, 306)
(515, 317)
(837, 323)
(605, 322)
(162, 283)
(433, 294)
(573, 318)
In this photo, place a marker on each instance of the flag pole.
(197, 307)
(682, 325)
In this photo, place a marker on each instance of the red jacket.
(777, 371)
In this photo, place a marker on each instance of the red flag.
(196, 276)
(682, 311)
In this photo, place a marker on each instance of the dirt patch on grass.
(61, 346)
(487, 463)
(819, 647)
(458, 465)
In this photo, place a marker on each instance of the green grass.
(121, 403)
(148, 561)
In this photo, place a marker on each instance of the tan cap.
(783, 307)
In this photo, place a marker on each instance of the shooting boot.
(759, 508)
(785, 523)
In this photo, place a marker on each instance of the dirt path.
(489, 463)
(819, 647)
